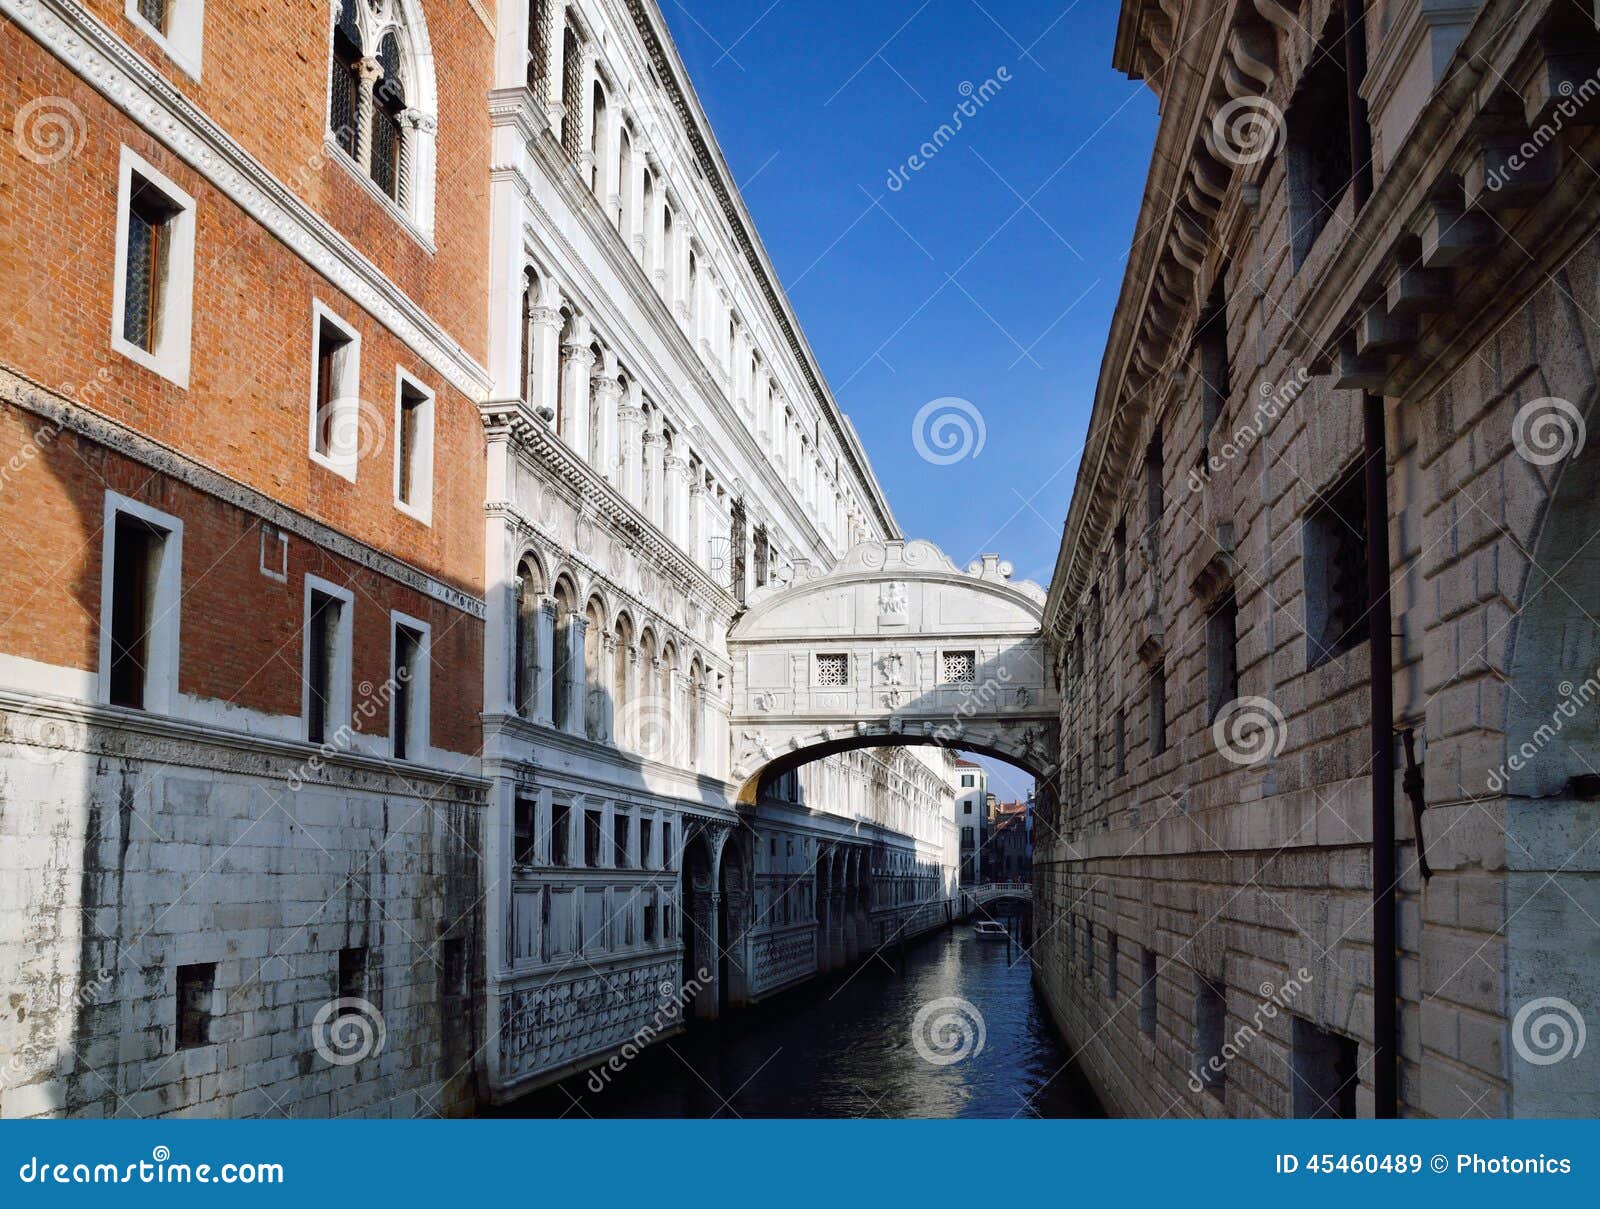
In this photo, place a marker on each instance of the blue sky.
(989, 275)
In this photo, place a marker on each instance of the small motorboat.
(988, 929)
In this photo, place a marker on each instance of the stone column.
(544, 652)
(630, 442)
(696, 546)
(676, 741)
(608, 392)
(707, 948)
(577, 626)
(368, 73)
(540, 389)
(577, 359)
(608, 704)
(836, 927)
(656, 250)
(639, 221)
(630, 693)
(587, 164)
(677, 468)
(555, 86)
(650, 485)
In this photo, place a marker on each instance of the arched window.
(388, 136)
(529, 590)
(530, 299)
(625, 184)
(619, 669)
(346, 84)
(599, 170)
(594, 688)
(381, 99)
(561, 671)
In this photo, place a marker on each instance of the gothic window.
(833, 671)
(381, 100)
(529, 587)
(388, 105)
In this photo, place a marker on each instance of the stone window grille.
(959, 667)
(833, 671)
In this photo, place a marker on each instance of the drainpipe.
(1385, 1002)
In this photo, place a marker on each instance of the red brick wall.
(264, 80)
(245, 412)
(240, 632)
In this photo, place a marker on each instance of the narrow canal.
(958, 1032)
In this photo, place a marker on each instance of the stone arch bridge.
(894, 645)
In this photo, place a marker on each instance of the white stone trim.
(161, 663)
(421, 507)
(339, 683)
(170, 358)
(183, 41)
(107, 64)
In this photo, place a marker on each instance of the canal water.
(950, 1028)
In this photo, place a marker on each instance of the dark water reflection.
(844, 1047)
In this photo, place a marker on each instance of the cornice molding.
(107, 64)
(92, 426)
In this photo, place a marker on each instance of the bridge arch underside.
(1030, 760)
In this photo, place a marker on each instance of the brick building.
(1357, 331)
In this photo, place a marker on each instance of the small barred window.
(833, 671)
(960, 667)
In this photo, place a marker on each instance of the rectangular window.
(140, 593)
(968, 780)
(958, 667)
(1155, 492)
(1147, 992)
(523, 830)
(138, 547)
(353, 973)
(1324, 1072)
(668, 856)
(1158, 709)
(1335, 560)
(176, 26)
(650, 919)
(619, 841)
(591, 838)
(1111, 965)
(647, 835)
(1211, 336)
(335, 392)
(1088, 948)
(408, 702)
(413, 453)
(321, 638)
(833, 671)
(1222, 656)
(196, 1004)
(1317, 127)
(560, 835)
(1119, 554)
(1119, 743)
(1210, 1023)
(153, 292)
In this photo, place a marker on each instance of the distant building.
(972, 798)
(1007, 853)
